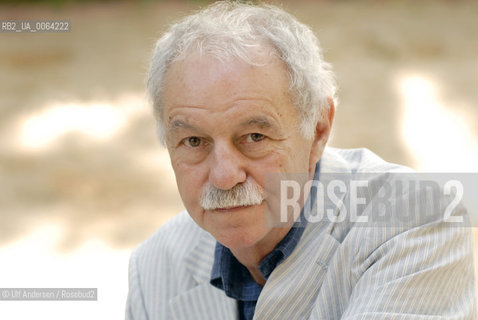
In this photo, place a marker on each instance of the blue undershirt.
(230, 275)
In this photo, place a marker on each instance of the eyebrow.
(178, 124)
(261, 122)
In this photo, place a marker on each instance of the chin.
(239, 240)
(239, 237)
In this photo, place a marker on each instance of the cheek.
(288, 159)
(190, 181)
(298, 157)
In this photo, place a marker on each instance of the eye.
(192, 142)
(255, 137)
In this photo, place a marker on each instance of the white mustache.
(247, 193)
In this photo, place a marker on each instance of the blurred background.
(83, 179)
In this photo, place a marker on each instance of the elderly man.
(242, 95)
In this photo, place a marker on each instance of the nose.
(226, 168)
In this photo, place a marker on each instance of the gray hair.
(232, 30)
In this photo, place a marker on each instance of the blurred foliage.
(66, 2)
(60, 2)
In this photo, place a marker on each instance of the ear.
(322, 133)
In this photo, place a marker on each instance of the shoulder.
(387, 199)
(159, 269)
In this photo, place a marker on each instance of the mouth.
(231, 209)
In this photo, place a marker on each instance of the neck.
(251, 257)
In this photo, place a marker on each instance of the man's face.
(228, 122)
